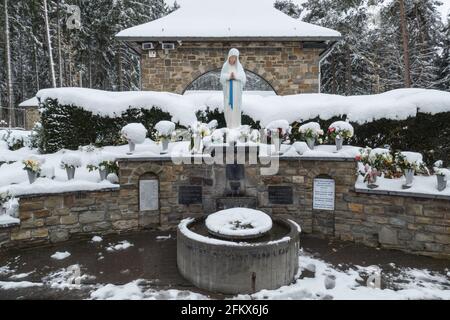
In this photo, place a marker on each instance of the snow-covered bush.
(340, 129)
(134, 132)
(15, 139)
(310, 130)
(70, 160)
(165, 129)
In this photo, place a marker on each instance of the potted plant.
(104, 168)
(4, 198)
(340, 131)
(311, 132)
(198, 132)
(371, 164)
(278, 131)
(442, 175)
(134, 133)
(70, 162)
(164, 132)
(409, 163)
(33, 168)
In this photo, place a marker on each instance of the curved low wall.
(233, 269)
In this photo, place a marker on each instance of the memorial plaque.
(281, 195)
(235, 172)
(324, 194)
(190, 195)
(148, 195)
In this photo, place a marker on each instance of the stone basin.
(238, 267)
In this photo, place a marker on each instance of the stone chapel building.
(181, 47)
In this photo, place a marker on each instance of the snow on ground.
(97, 239)
(60, 255)
(134, 291)
(122, 245)
(7, 220)
(396, 105)
(342, 283)
(9, 285)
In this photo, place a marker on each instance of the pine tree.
(289, 8)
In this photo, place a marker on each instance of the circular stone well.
(212, 263)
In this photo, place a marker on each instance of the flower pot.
(103, 174)
(409, 176)
(277, 144)
(164, 146)
(132, 147)
(70, 173)
(311, 143)
(441, 182)
(32, 176)
(339, 143)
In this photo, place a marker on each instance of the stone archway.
(210, 80)
(289, 67)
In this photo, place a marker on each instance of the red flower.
(358, 158)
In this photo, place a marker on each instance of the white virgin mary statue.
(233, 80)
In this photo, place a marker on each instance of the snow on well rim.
(184, 229)
(228, 222)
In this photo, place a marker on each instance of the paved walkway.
(155, 260)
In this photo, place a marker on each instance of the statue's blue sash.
(231, 99)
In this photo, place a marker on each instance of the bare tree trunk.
(49, 45)
(333, 74)
(22, 80)
(405, 39)
(348, 71)
(36, 68)
(9, 84)
(120, 69)
(58, 28)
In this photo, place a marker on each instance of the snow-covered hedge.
(406, 119)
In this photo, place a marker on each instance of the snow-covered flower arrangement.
(310, 130)
(255, 136)
(32, 165)
(70, 160)
(105, 164)
(280, 128)
(340, 130)
(439, 169)
(198, 132)
(244, 133)
(134, 132)
(410, 161)
(217, 136)
(164, 130)
(213, 124)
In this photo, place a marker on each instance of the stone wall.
(55, 218)
(410, 223)
(32, 116)
(287, 66)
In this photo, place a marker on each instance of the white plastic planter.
(32, 176)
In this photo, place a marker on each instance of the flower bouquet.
(33, 168)
(340, 131)
(311, 132)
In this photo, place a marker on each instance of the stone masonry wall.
(288, 67)
(409, 223)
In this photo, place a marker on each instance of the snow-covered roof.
(33, 102)
(227, 19)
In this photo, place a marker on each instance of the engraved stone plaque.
(148, 195)
(281, 195)
(324, 194)
(188, 195)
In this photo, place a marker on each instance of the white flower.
(70, 160)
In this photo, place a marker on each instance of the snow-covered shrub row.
(68, 126)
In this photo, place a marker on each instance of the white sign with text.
(324, 194)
